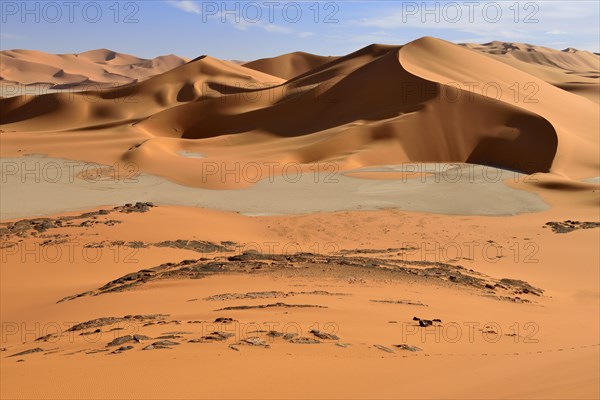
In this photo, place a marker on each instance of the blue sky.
(253, 29)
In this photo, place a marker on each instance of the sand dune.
(382, 104)
(288, 66)
(577, 62)
(31, 72)
(573, 70)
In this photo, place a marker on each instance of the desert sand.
(415, 221)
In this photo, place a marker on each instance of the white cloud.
(275, 28)
(521, 21)
(7, 35)
(186, 5)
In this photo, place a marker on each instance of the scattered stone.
(383, 348)
(30, 351)
(165, 343)
(406, 302)
(120, 340)
(408, 347)
(137, 207)
(224, 320)
(138, 338)
(250, 262)
(324, 335)
(215, 336)
(254, 341)
(99, 322)
(46, 338)
(304, 340)
(269, 295)
(344, 345)
(122, 349)
(274, 334)
(289, 336)
(155, 347)
(425, 322)
(521, 287)
(169, 337)
(96, 351)
(273, 305)
(569, 226)
(194, 245)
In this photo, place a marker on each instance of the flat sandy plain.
(366, 245)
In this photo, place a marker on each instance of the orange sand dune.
(573, 70)
(577, 62)
(94, 68)
(382, 104)
(290, 65)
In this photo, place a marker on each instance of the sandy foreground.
(302, 226)
(493, 342)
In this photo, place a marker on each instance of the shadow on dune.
(533, 150)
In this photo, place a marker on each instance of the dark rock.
(165, 343)
(216, 336)
(273, 305)
(324, 335)
(407, 302)
(224, 320)
(30, 351)
(139, 338)
(383, 348)
(569, 226)
(304, 340)
(46, 338)
(521, 287)
(90, 333)
(408, 347)
(120, 340)
(254, 341)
